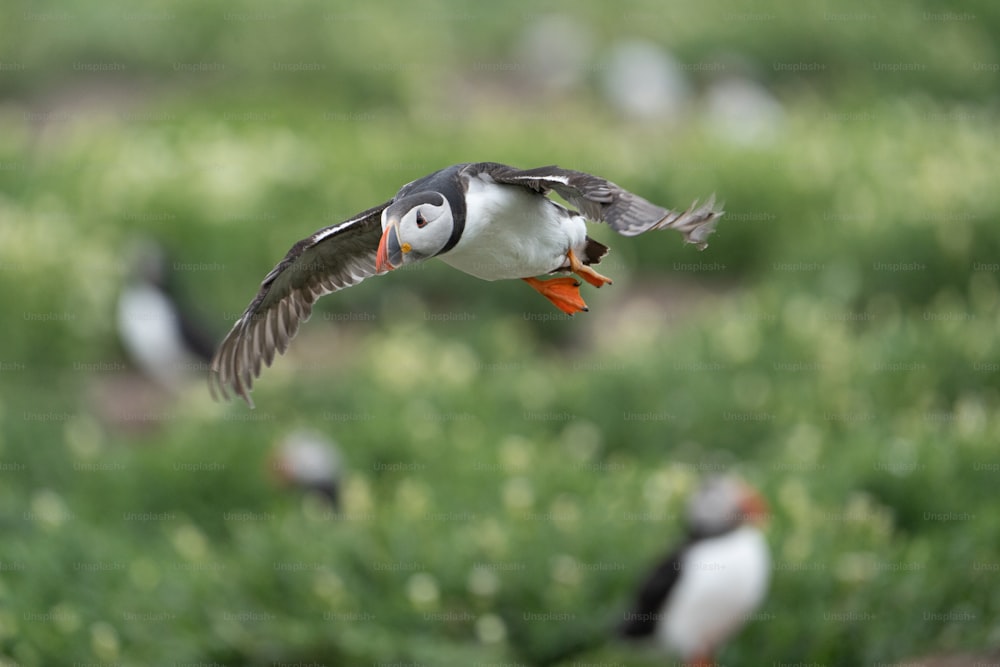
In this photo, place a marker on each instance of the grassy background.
(511, 473)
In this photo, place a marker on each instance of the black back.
(156, 272)
(646, 610)
(196, 336)
(329, 491)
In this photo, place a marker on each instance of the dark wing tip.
(696, 223)
(633, 215)
(217, 388)
(255, 339)
(225, 373)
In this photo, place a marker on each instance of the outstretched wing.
(603, 201)
(330, 260)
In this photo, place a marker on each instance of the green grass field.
(511, 473)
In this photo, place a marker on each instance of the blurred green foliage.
(511, 473)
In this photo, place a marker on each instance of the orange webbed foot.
(585, 272)
(564, 293)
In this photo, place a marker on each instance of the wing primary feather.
(258, 352)
(269, 342)
(245, 364)
(281, 313)
(696, 223)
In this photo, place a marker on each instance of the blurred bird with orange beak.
(704, 591)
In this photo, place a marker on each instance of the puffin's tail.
(594, 252)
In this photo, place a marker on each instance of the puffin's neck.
(454, 193)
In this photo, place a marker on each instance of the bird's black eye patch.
(421, 221)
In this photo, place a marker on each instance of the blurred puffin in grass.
(166, 344)
(310, 463)
(705, 590)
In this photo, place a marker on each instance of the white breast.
(511, 232)
(722, 581)
(151, 332)
(307, 459)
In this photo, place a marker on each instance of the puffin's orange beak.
(754, 508)
(279, 468)
(390, 252)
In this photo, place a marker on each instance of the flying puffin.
(703, 592)
(486, 219)
(163, 339)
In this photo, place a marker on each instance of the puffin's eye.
(421, 221)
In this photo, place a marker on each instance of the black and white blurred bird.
(489, 220)
(161, 337)
(703, 592)
(743, 111)
(309, 461)
(644, 81)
